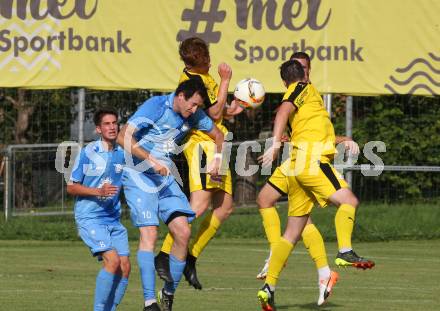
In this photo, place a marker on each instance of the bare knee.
(228, 210)
(354, 202)
(264, 202)
(111, 262)
(344, 196)
(148, 237)
(351, 199)
(267, 197)
(224, 210)
(199, 205)
(260, 201)
(181, 235)
(125, 267)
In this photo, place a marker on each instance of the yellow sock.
(344, 223)
(167, 244)
(271, 223)
(280, 252)
(314, 243)
(207, 230)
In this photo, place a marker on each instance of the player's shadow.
(308, 306)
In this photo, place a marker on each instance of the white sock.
(149, 302)
(345, 250)
(167, 292)
(324, 273)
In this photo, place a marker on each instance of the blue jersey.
(94, 167)
(160, 128)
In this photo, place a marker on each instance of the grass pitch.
(61, 276)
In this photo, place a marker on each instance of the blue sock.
(176, 269)
(111, 298)
(119, 292)
(104, 284)
(148, 274)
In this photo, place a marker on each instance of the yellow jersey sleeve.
(295, 94)
(208, 81)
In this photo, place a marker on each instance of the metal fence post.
(328, 103)
(349, 132)
(7, 184)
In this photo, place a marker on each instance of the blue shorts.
(105, 237)
(152, 196)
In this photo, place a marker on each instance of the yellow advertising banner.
(356, 46)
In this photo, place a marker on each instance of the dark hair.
(292, 71)
(194, 52)
(301, 55)
(190, 87)
(101, 112)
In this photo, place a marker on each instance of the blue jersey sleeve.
(148, 113)
(201, 121)
(78, 168)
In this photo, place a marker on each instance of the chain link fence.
(408, 125)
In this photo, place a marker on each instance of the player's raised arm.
(216, 111)
(281, 119)
(280, 123)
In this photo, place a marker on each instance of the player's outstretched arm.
(232, 110)
(349, 144)
(130, 144)
(225, 72)
(280, 123)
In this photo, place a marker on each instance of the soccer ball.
(249, 93)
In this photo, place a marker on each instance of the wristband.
(218, 155)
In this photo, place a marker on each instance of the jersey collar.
(99, 146)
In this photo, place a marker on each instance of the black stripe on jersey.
(207, 103)
(298, 89)
(203, 163)
(328, 172)
(276, 188)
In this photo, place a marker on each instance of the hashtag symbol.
(197, 15)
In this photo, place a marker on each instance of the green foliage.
(410, 127)
(374, 222)
(49, 120)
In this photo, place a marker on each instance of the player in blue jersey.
(96, 183)
(150, 139)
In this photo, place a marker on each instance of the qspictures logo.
(290, 15)
(32, 32)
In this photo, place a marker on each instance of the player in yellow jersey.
(199, 149)
(311, 177)
(277, 186)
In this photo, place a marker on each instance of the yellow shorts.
(317, 182)
(198, 154)
(299, 203)
(279, 181)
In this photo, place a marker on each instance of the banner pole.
(81, 115)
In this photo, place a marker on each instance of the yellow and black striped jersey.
(212, 90)
(310, 128)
